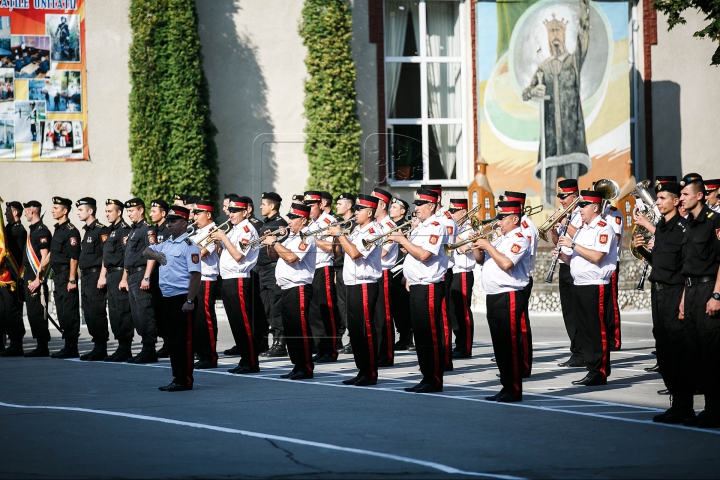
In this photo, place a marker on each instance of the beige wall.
(108, 173)
(686, 101)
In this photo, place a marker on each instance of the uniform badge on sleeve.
(195, 258)
(449, 229)
(515, 248)
(124, 241)
(717, 233)
(525, 224)
(151, 238)
(303, 246)
(617, 220)
(43, 240)
(73, 241)
(448, 214)
(104, 237)
(246, 229)
(389, 224)
(371, 231)
(603, 238)
(601, 223)
(327, 220)
(433, 239)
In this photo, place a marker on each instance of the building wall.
(686, 100)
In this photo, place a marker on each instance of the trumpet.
(244, 245)
(303, 236)
(490, 236)
(555, 218)
(476, 224)
(206, 240)
(368, 244)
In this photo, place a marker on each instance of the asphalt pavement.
(72, 419)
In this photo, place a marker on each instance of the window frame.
(461, 166)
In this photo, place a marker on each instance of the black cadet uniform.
(11, 308)
(701, 258)
(39, 239)
(270, 292)
(142, 235)
(65, 246)
(118, 300)
(668, 330)
(93, 298)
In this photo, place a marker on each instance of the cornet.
(206, 240)
(368, 244)
(340, 224)
(244, 245)
(490, 236)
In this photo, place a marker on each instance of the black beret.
(672, 187)
(180, 196)
(326, 195)
(400, 202)
(86, 201)
(135, 202)
(347, 196)
(298, 198)
(690, 178)
(66, 202)
(272, 196)
(160, 203)
(16, 205)
(111, 201)
(32, 203)
(191, 199)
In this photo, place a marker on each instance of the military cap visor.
(299, 210)
(178, 213)
(423, 196)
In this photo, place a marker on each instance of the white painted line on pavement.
(265, 436)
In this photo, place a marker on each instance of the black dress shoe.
(654, 368)
(496, 396)
(459, 354)
(675, 415)
(70, 352)
(145, 356)
(174, 387)
(573, 362)
(415, 388)
(582, 381)
(40, 351)
(317, 356)
(351, 381)
(664, 391)
(427, 388)
(592, 380)
(232, 351)
(327, 358)
(14, 350)
(59, 352)
(400, 345)
(385, 363)
(300, 375)
(244, 369)
(709, 420)
(289, 374)
(507, 398)
(365, 381)
(276, 351)
(163, 352)
(205, 365)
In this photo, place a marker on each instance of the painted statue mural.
(553, 81)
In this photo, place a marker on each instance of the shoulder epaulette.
(188, 241)
(100, 225)
(70, 226)
(710, 214)
(435, 224)
(602, 224)
(519, 234)
(448, 214)
(123, 224)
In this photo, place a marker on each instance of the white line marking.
(265, 436)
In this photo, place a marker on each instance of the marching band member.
(235, 266)
(567, 193)
(383, 314)
(505, 275)
(400, 305)
(363, 268)
(711, 194)
(614, 217)
(294, 271)
(463, 279)
(425, 268)
(343, 206)
(324, 314)
(158, 215)
(593, 259)
(700, 305)
(666, 292)
(205, 328)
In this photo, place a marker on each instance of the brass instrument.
(257, 241)
(476, 224)
(530, 211)
(303, 236)
(368, 244)
(206, 240)
(609, 190)
(470, 213)
(555, 218)
(649, 210)
(491, 235)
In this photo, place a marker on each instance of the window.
(424, 94)
(487, 203)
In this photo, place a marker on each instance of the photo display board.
(43, 109)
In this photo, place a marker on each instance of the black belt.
(90, 270)
(59, 267)
(114, 269)
(690, 281)
(662, 286)
(135, 269)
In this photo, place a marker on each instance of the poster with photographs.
(42, 82)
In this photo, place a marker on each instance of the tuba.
(609, 190)
(647, 210)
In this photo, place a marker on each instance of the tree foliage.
(332, 129)
(172, 145)
(710, 8)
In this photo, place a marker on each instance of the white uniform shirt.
(430, 235)
(597, 235)
(301, 271)
(322, 258)
(388, 261)
(210, 263)
(516, 247)
(464, 262)
(614, 217)
(575, 221)
(448, 221)
(229, 268)
(715, 208)
(531, 233)
(367, 268)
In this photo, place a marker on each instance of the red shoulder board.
(614, 209)
(372, 230)
(525, 224)
(303, 246)
(449, 229)
(435, 224)
(515, 248)
(327, 220)
(246, 228)
(433, 239)
(195, 258)
(103, 237)
(519, 234)
(602, 224)
(603, 238)
(389, 224)
(73, 241)
(448, 214)
(617, 220)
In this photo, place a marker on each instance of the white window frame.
(461, 167)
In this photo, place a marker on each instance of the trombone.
(206, 240)
(555, 218)
(491, 235)
(244, 245)
(303, 236)
(470, 213)
(368, 244)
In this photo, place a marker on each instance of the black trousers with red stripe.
(383, 319)
(362, 301)
(448, 327)
(400, 307)
(527, 331)
(427, 322)
(295, 310)
(565, 284)
(179, 338)
(324, 313)
(613, 327)
(236, 297)
(206, 328)
(461, 312)
(504, 314)
(592, 309)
